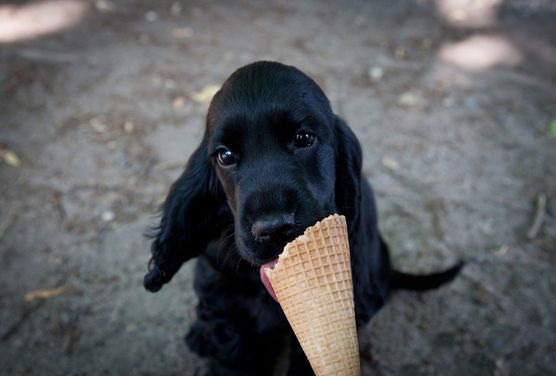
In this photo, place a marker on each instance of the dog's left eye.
(225, 157)
(303, 139)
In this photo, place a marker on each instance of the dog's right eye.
(225, 157)
(303, 139)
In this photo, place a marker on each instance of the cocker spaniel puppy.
(274, 160)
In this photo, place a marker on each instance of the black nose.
(275, 227)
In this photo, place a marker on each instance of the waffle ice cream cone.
(312, 282)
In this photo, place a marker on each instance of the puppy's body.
(274, 160)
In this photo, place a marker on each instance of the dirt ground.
(454, 103)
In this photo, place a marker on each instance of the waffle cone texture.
(313, 284)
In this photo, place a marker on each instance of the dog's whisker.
(228, 245)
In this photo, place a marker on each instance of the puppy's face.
(270, 134)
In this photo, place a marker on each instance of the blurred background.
(101, 103)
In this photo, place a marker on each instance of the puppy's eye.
(225, 157)
(303, 139)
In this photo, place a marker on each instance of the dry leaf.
(47, 293)
(129, 127)
(408, 99)
(10, 158)
(98, 125)
(104, 6)
(178, 102)
(176, 8)
(205, 94)
(390, 163)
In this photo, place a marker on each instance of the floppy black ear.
(348, 173)
(192, 214)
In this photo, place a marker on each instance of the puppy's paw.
(219, 340)
(197, 340)
(154, 279)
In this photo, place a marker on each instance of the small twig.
(502, 250)
(24, 316)
(47, 56)
(10, 218)
(58, 205)
(539, 217)
(47, 293)
(72, 336)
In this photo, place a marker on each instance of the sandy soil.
(453, 107)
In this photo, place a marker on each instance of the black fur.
(235, 216)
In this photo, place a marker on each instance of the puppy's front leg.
(239, 328)
(233, 345)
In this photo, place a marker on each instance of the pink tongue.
(264, 277)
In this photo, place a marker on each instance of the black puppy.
(274, 160)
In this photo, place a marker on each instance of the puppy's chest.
(222, 275)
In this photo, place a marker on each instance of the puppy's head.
(272, 141)
(274, 158)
